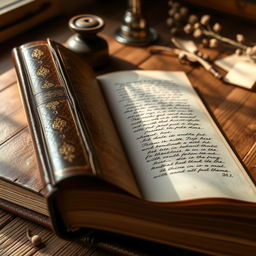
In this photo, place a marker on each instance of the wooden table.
(233, 107)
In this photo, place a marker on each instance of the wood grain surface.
(233, 107)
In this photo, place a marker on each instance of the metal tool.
(134, 29)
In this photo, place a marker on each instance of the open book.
(133, 152)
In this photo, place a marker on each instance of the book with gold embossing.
(132, 152)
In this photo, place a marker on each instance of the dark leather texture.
(72, 131)
(57, 139)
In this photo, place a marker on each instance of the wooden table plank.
(209, 88)
(11, 125)
(17, 159)
(164, 62)
(13, 241)
(12, 118)
(5, 218)
(237, 118)
(8, 78)
(250, 160)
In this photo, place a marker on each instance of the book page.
(175, 149)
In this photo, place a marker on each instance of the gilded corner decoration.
(43, 71)
(47, 85)
(59, 124)
(50, 99)
(37, 53)
(52, 105)
(67, 151)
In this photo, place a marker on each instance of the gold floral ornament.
(52, 105)
(37, 54)
(59, 124)
(42, 71)
(47, 85)
(67, 151)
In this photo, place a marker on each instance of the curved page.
(176, 150)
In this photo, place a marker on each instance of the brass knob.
(86, 24)
(86, 42)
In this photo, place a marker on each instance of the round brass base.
(134, 30)
(135, 37)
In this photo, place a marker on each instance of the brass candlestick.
(134, 29)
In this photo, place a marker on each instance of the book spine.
(51, 114)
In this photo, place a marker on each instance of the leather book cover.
(66, 114)
(59, 143)
(20, 172)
